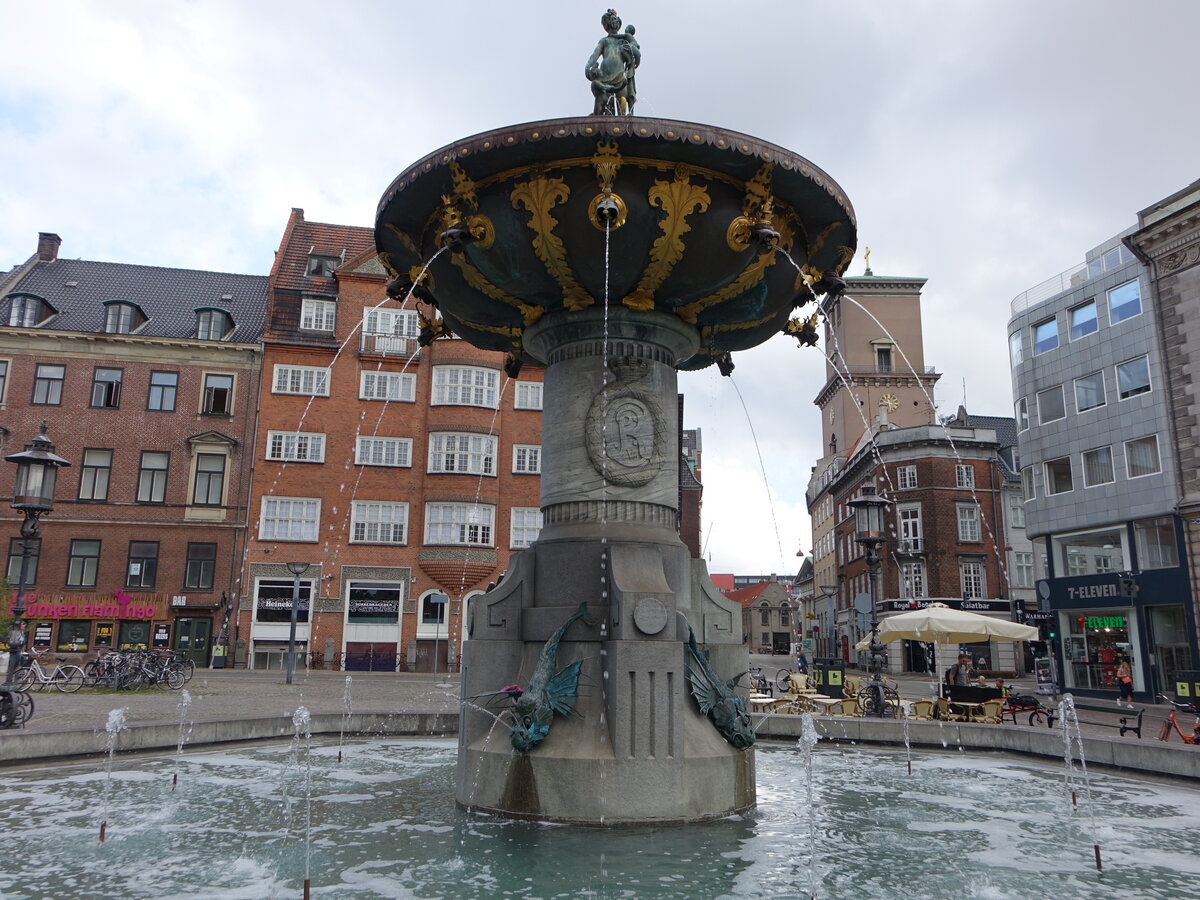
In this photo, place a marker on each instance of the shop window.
(105, 632)
(374, 603)
(201, 566)
(1095, 643)
(1155, 542)
(133, 636)
(1091, 552)
(273, 600)
(74, 636)
(433, 609)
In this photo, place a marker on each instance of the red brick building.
(148, 380)
(405, 477)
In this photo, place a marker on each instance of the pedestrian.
(1125, 681)
(16, 644)
(802, 663)
(960, 673)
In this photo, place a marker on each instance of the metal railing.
(387, 344)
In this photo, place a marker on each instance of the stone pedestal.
(639, 750)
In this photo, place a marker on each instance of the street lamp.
(33, 495)
(297, 569)
(868, 527)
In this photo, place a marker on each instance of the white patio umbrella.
(939, 624)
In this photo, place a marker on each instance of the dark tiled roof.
(687, 478)
(78, 288)
(343, 241)
(1004, 426)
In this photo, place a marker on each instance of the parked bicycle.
(131, 669)
(1172, 724)
(30, 674)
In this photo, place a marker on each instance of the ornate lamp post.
(297, 569)
(33, 495)
(868, 527)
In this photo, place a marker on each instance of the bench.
(1123, 717)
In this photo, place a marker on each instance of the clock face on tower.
(891, 401)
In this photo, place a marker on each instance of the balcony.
(387, 344)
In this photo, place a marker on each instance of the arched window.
(121, 317)
(28, 311)
(766, 613)
(213, 324)
(433, 608)
(785, 615)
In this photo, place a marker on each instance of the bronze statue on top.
(611, 68)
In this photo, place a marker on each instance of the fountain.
(614, 250)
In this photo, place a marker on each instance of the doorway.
(193, 637)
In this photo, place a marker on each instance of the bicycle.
(758, 681)
(66, 678)
(1171, 723)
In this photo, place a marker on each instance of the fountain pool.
(384, 825)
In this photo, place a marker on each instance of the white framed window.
(1022, 570)
(296, 446)
(459, 523)
(1083, 320)
(1016, 508)
(322, 266)
(964, 476)
(465, 386)
(1051, 406)
(968, 523)
(1089, 392)
(378, 522)
(399, 386)
(383, 451)
(1045, 336)
(1133, 377)
(1028, 488)
(474, 454)
(1058, 476)
(906, 476)
(527, 459)
(396, 322)
(525, 523)
(1098, 466)
(1124, 302)
(912, 580)
(908, 519)
(1016, 351)
(289, 519)
(307, 381)
(970, 575)
(529, 395)
(1141, 457)
(317, 314)
(1022, 409)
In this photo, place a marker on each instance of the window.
(1045, 336)
(218, 395)
(1058, 476)
(106, 388)
(766, 614)
(48, 385)
(201, 566)
(274, 600)
(964, 476)
(390, 331)
(1089, 392)
(529, 395)
(1016, 351)
(374, 602)
(883, 359)
(785, 615)
(1155, 541)
(74, 635)
(1141, 457)
(289, 519)
(464, 386)
(377, 522)
(94, 474)
(14, 562)
(471, 453)
(906, 476)
(1097, 466)
(433, 609)
(912, 580)
(1028, 489)
(1124, 302)
(909, 519)
(459, 523)
(122, 318)
(27, 312)
(317, 315)
(143, 564)
(1083, 320)
(163, 388)
(1016, 508)
(1022, 572)
(296, 446)
(1091, 553)
(3, 378)
(527, 459)
(152, 477)
(321, 266)
(83, 563)
(383, 451)
(1051, 406)
(213, 324)
(308, 381)
(209, 487)
(968, 523)
(525, 523)
(1022, 410)
(970, 574)
(388, 386)
(1133, 377)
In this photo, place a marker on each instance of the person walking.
(1125, 682)
(802, 663)
(961, 672)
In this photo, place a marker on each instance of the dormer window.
(322, 266)
(213, 324)
(122, 318)
(28, 311)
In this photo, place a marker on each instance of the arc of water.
(1072, 744)
(808, 744)
(763, 468)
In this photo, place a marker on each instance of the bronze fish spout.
(549, 692)
(717, 697)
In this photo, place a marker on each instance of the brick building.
(405, 477)
(148, 380)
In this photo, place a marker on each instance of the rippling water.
(384, 825)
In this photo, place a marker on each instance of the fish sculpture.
(717, 698)
(549, 692)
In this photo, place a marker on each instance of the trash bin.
(829, 674)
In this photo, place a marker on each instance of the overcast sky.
(985, 146)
